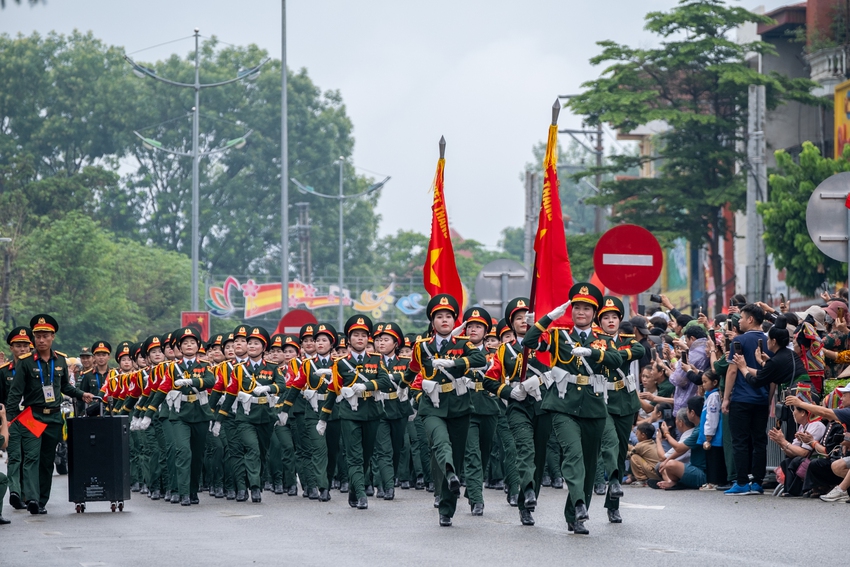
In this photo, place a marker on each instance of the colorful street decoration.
(261, 299)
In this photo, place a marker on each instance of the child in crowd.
(643, 457)
(711, 433)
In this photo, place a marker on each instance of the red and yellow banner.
(553, 276)
(440, 272)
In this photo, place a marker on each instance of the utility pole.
(303, 231)
(340, 197)
(284, 173)
(599, 212)
(756, 192)
(251, 74)
(530, 228)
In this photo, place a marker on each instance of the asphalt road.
(660, 528)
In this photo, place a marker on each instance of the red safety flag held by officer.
(28, 420)
(440, 271)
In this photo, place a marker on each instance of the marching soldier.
(356, 378)
(486, 409)
(95, 379)
(214, 451)
(255, 417)
(223, 425)
(529, 424)
(623, 402)
(300, 435)
(311, 385)
(182, 388)
(282, 450)
(390, 437)
(40, 379)
(4, 481)
(20, 343)
(576, 399)
(445, 404)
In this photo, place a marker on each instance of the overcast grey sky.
(482, 73)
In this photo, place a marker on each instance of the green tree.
(786, 236)
(696, 82)
(96, 285)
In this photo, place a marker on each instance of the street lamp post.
(340, 197)
(250, 74)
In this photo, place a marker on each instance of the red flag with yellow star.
(553, 276)
(440, 271)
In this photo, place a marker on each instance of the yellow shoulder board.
(23, 356)
(61, 353)
(5, 365)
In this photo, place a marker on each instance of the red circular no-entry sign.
(628, 259)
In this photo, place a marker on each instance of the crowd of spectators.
(718, 394)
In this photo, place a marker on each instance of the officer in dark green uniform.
(20, 342)
(503, 459)
(311, 385)
(486, 409)
(255, 416)
(576, 399)
(420, 455)
(623, 402)
(356, 378)
(530, 425)
(184, 387)
(39, 381)
(390, 438)
(306, 337)
(445, 403)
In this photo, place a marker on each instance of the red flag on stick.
(29, 421)
(440, 272)
(552, 274)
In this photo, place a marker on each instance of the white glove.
(358, 389)
(216, 428)
(260, 390)
(321, 426)
(529, 318)
(145, 423)
(347, 392)
(133, 423)
(443, 363)
(582, 351)
(282, 418)
(458, 330)
(559, 311)
(182, 382)
(324, 371)
(518, 393)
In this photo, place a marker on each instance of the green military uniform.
(576, 399)
(157, 414)
(311, 385)
(299, 431)
(503, 464)
(282, 449)
(4, 483)
(390, 438)
(259, 385)
(214, 456)
(39, 383)
(93, 381)
(623, 405)
(486, 409)
(224, 424)
(356, 378)
(530, 425)
(182, 388)
(445, 405)
(14, 448)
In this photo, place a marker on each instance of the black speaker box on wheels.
(99, 459)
